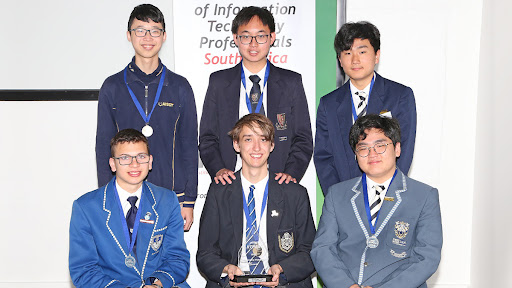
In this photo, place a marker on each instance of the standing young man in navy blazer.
(279, 94)
(358, 50)
(151, 98)
(282, 222)
(383, 229)
(128, 233)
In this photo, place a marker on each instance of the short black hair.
(247, 13)
(127, 136)
(389, 126)
(349, 31)
(146, 12)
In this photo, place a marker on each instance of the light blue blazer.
(408, 229)
(97, 245)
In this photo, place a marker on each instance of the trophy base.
(252, 278)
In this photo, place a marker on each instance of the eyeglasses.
(141, 158)
(378, 148)
(247, 39)
(141, 32)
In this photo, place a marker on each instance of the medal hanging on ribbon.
(129, 260)
(372, 241)
(247, 99)
(354, 113)
(147, 130)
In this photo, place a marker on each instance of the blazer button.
(365, 263)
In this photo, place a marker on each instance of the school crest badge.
(401, 229)
(281, 121)
(286, 242)
(156, 242)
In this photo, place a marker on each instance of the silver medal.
(372, 242)
(256, 250)
(129, 261)
(147, 130)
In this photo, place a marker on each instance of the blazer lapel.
(275, 212)
(359, 203)
(146, 229)
(344, 117)
(376, 97)
(230, 98)
(113, 216)
(236, 211)
(273, 88)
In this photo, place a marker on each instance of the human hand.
(223, 175)
(188, 215)
(283, 177)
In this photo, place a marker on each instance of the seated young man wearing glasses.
(148, 97)
(128, 233)
(255, 85)
(382, 229)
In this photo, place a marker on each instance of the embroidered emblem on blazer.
(281, 121)
(167, 104)
(156, 242)
(401, 229)
(286, 242)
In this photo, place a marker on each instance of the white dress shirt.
(262, 223)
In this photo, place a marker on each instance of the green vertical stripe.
(325, 65)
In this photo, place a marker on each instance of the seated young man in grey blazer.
(382, 229)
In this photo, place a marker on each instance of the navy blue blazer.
(334, 159)
(221, 231)
(287, 109)
(97, 245)
(409, 231)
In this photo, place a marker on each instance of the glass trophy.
(251, 260)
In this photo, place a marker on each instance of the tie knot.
(379, 189)
(132, 200)
(251, 188)
(361, 94)
(255, 79)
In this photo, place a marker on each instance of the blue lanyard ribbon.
(129, 243)
(367, 203)
(263, 205)
(157, 97)
(354, 113)
(247, 100)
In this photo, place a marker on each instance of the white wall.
(491, 229)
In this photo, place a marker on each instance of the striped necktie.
(374, 208)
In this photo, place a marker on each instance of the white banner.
(204, 44)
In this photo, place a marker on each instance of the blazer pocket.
(286, 241)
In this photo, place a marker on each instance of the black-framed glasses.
(364, 151)
(247, 39)
(141, 32)
(141, 158)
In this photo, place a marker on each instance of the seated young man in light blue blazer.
(382, 229)
(128, 233)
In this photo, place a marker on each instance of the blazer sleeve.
(301, 148)
(176, 263)
(209, 130)
(83, 257)
(105, 130)
(324, 157)
(209, 260)
(187, 141)
(299, 266)
(407, 119)
(328, 264)
(426, 253)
